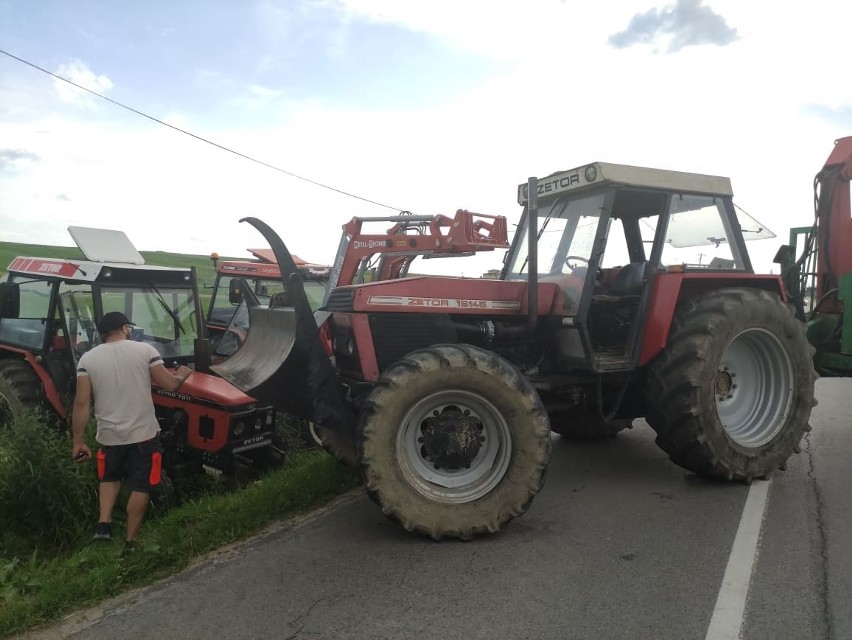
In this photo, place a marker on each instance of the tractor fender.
(668, 290)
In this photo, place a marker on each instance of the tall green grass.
(48, 507)
(46, 499)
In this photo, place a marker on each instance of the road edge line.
(729, 611)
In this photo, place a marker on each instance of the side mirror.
(10, 300)
(236, 290)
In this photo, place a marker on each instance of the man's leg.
(143, 473)
(107, 494)
(136, 505)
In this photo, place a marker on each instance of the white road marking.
(729, 612)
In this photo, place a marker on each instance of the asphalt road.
(619, 544)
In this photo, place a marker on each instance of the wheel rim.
(312, 428)
(754, 387)
(488, 460)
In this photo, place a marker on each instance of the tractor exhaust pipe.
(532, 253)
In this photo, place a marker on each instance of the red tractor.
(49, 309)
(627, 292)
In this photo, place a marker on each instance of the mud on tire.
(731, 394)
(473, 481)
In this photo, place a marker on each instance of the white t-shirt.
(121, 385)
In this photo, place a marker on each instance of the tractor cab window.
(27, 330)
(235, 333)
(232, 290)
(164, 316)
(78, 313)
(566, 235)
(567, 228)
(698, 235)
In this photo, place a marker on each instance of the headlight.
(258, 423)
(239, 427)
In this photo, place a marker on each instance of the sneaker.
(130, 547)
(103, 531)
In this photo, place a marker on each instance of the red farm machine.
(627, 292)
(49, 309)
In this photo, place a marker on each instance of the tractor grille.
(396, 334)
(341, 300)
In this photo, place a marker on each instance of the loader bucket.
(265, 348)
(282, 360)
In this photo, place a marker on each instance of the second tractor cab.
(244, 283)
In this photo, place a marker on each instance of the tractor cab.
(604, 233)
(50, 307)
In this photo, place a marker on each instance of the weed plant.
(46, 499)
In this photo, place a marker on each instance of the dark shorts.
(138, 465)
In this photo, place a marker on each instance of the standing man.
(118, 374)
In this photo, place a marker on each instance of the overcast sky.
(427, 106)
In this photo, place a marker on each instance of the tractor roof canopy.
(602, 173)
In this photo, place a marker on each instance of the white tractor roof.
(105, 245)
(104, 249)
(602, 173)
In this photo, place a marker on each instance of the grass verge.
(35, 591)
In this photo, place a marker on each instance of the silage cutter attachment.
(282, 360)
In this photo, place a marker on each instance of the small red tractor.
(627, 292)
(49, 310)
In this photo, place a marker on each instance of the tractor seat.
(628, 283)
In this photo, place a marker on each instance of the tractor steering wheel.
(574, 267)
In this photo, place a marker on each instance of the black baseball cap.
(112, 321)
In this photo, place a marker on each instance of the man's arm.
(82, 414)
(167, 380)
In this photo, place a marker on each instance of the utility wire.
(197, 137)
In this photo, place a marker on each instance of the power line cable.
(197, 137)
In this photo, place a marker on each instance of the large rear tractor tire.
(19, 391)
(586, 428)
(731, 394)
(336, 444)
(454, 442)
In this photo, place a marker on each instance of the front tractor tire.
(731, 394)
(454, 442)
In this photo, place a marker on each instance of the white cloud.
(264, 92)
(79, 73)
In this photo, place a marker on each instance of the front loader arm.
(413, 236)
